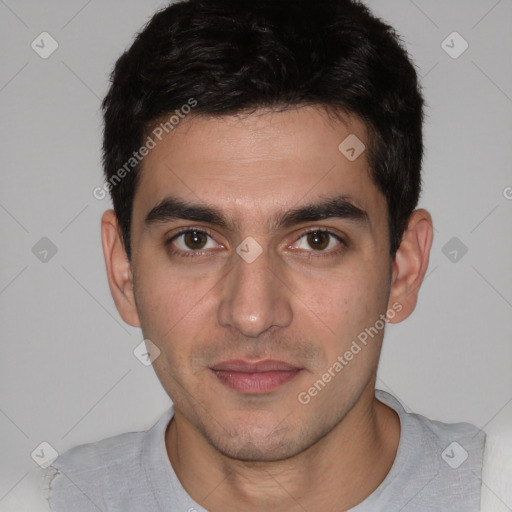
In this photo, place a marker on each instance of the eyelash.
(311, 254)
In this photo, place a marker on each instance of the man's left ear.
(410, 265)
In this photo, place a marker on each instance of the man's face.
(302, 301)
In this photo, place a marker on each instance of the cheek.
(168, 298)
(344, 302)
(170, 317)
(174, 311)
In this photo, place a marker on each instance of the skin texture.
(240, 451)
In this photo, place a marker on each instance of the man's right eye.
(192, 240)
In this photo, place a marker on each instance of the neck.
(336, 473)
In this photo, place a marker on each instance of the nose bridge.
(253, 299)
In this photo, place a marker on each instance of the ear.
(410, 265)
(119, 272)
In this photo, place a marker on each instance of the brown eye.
(195, 239)
(318, 240)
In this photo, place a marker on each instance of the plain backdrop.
(68, 374)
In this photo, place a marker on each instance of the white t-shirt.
(438, 467)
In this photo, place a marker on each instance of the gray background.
(67, 370)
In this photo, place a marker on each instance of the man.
(264, 159)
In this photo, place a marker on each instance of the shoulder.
(85, 472)
(438, 461)
(77, 477)
(102, 473)
(457, 442)
(101, 455)
(448, 441)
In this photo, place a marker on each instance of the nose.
(254, 299)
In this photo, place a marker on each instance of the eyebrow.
(341, 207)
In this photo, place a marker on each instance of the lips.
(254, 377)
(269, 365)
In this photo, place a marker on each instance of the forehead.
(260, 163)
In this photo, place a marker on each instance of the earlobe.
(411, 263)
(119, 272)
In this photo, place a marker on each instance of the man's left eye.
(318, 240)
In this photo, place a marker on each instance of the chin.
(269, 443)
(261, 451)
